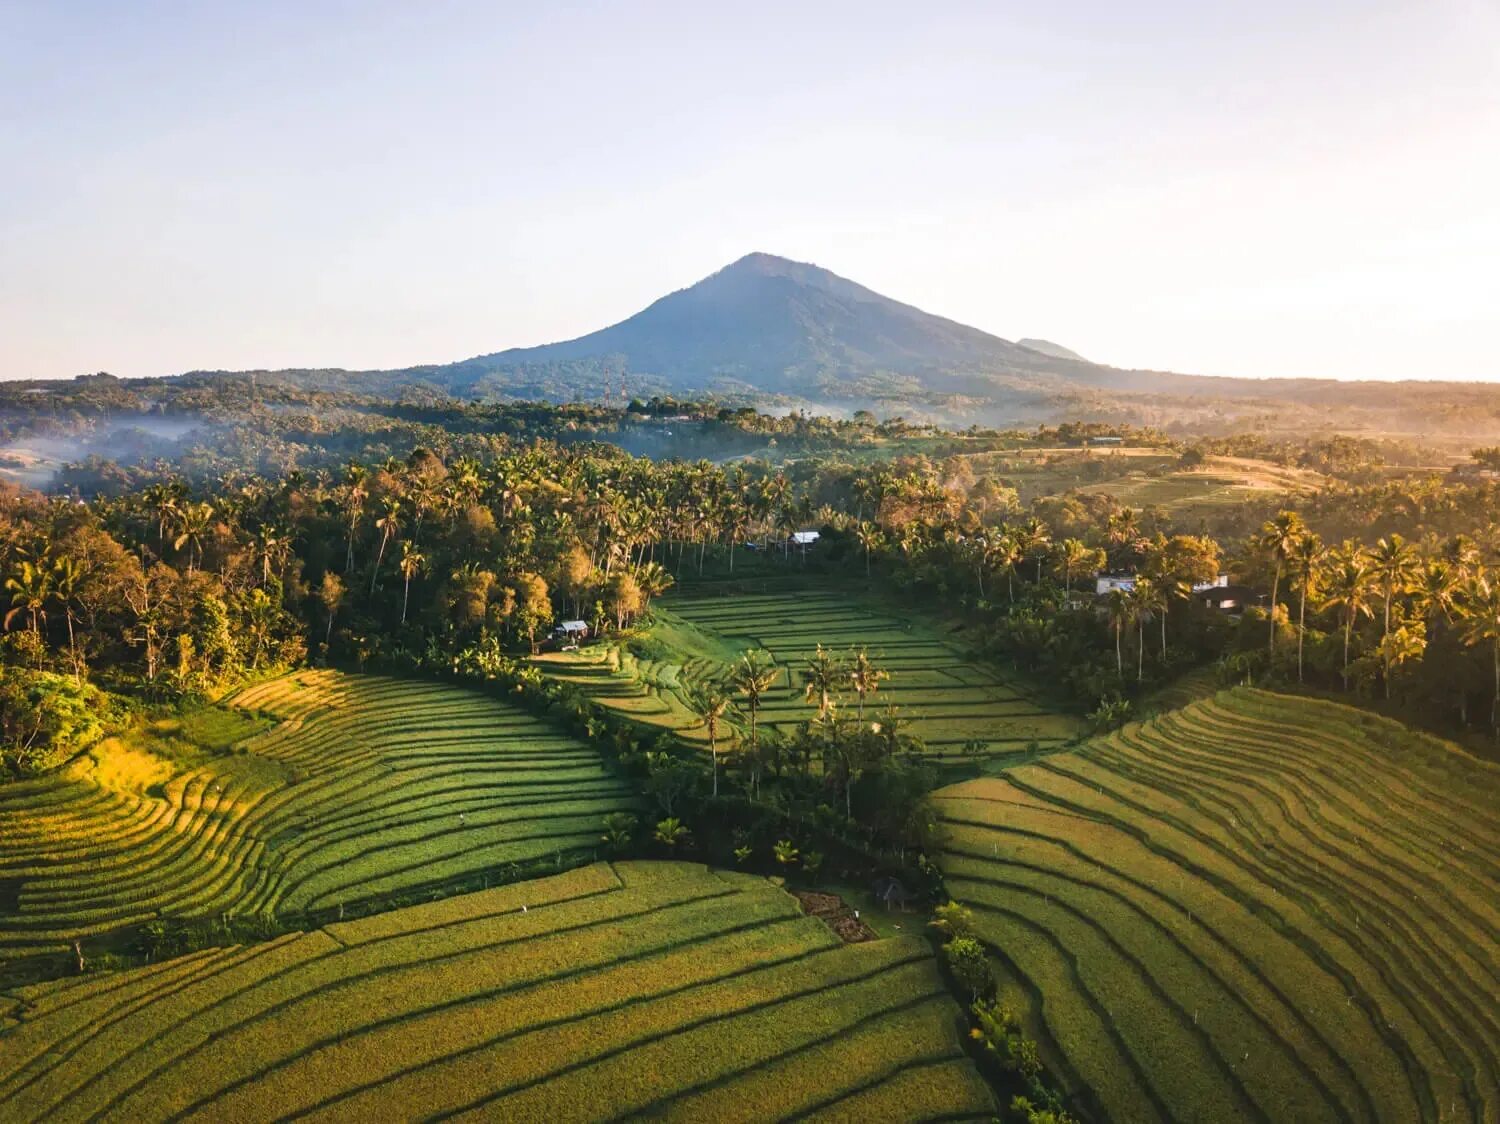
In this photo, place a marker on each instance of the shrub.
(47, 718)
(970, 966)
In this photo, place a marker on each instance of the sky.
(1278, 188)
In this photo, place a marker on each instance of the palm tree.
(331, 595)
(1074, 555)
(1145, 600)
(1397, 647)
(1277, 539)
(1007, 553)
(1307, 553)
(354, 505)
(752, 676)
(67, 576)
(1035, 538)
(1481, 625)
(870, 537)
(654, 580)
(388, 524)
(1120, 611)
(412, 563)
(1393, 561)
(820, 680)
(1123, 530)
(670, 832)
(30, 592)
(194, 521)
(712, 702)
(865, 677)
(1435, 588)
(1348, 583)
(162, 499)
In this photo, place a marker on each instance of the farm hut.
(572, 630)
(804, 539)
(891, 894)
(1107, 583)
(1229, 598)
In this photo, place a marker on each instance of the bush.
(46, 719)
(971, 967)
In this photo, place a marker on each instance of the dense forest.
(184, 578)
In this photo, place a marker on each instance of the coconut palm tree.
(1035, 538)
(1348, 583)
(1305, 557)
(752, 675)
(1394, 562)
(331, 596)
(865, 677)
(1120, 611)
(1007, 552)
(1481, 625)
(412, 563)
(30, 593)
(870, 538)
(67, 577)
(712, 702)
(194, 521)
(1435, 587)
(821, 679)
(1145, 600)
(1277, 539)
(1074, 555)
(388, 524)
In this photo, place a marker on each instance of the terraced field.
(365, 786)
(640, 989)
(1254, 908)
(947, 699)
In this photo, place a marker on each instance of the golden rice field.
(627, 990)
(363, 787)
(1257, 907)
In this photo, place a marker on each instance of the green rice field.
(363, 787)
(1257, 907)
(948, 699)
(626, 990)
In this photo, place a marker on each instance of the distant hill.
(1047, 347)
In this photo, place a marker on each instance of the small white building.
(1107, 583)
(804, 538)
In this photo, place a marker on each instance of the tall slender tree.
(1277, 539)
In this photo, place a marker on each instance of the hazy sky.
(1275, 188)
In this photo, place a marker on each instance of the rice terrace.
(1255, 907)
(635, 989)
(365, 786)
(660, 678)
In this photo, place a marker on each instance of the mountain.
(779, 326)
(779, 333)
